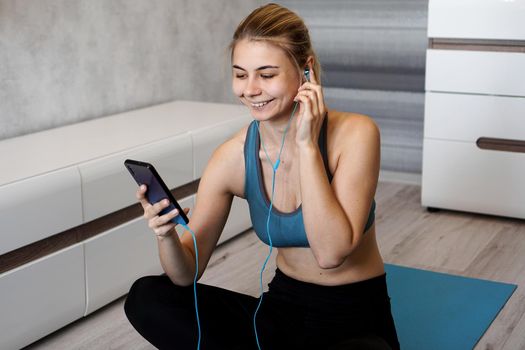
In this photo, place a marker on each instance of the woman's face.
(264, 79)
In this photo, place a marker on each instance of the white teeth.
(260, 104)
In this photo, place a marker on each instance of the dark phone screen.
(145, 173)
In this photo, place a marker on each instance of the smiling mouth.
(260, 104)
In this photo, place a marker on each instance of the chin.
(265, 115)
(262, 115)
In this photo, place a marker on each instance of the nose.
(252, 87)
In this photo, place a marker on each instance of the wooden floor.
(458, 243)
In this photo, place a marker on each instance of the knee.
(150, 295)
(141, 292)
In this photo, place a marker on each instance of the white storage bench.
(72, 238)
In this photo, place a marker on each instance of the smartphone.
(145, 174)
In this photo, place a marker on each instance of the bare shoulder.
(227, 163)
(348, 127)
(351, 136)
(356, 138)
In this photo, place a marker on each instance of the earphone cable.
(274, 170)
(195, 283)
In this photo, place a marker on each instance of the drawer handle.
(477, 44)
(501, 144)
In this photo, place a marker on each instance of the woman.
(329, 291)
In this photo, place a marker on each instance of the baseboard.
(400, 177)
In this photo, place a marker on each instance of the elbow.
(334, 254)
(330, 262)
(332, 259)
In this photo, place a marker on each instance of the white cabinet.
(477, 19)
(40, 297)
(116, 258)
(467, 117)
(107, 185)
(464, 177)
(476, 72)
(474, 134)
(38, 207)
(79, 176)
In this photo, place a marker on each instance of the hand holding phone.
(312, 109)
(145, 174)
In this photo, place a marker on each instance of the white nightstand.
(474, 134)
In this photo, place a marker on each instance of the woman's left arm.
(335, 214)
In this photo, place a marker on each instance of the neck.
(273, 130)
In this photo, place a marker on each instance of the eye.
(267, 76)
(240, 76)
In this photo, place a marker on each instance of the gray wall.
(64, 61)
(373, 58)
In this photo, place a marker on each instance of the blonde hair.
(283, 28)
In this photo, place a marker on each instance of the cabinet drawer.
(487, 19)
(107, 185)
(469, 117)
(41, 297)
(476, 72)
(39, 207)
(460, 176)
(116, 258)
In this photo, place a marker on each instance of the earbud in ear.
(307, 74)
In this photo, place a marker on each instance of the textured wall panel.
(65, 61)
(373, 62)
(399, 117)
(372, 44)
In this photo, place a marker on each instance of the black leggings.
(293, 315)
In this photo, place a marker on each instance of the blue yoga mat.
(441, 311)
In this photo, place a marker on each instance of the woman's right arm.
(214, 198)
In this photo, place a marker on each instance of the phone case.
(145, 173)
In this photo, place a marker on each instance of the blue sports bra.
(287, 229)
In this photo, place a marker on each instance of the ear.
(308, 66)
(310, 62)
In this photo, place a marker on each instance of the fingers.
(150, 210)
(154, 209)
(162, 225)
(160, 220)
(310, 102)
(315, 93)
(141, 195)
(164, 230)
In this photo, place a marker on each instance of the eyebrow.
(260, 68)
